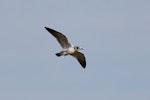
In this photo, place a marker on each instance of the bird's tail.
(59, 54)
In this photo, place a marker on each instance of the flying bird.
(68, 49)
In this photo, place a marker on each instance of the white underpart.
(70, 50)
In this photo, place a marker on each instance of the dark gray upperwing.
(80, 57)
(62, 39)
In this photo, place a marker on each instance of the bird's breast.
(70, 50)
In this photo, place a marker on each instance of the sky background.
(115, 35)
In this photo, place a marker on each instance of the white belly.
(70, 50)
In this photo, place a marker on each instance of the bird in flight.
(68, 49)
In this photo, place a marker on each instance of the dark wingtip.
(46, 28)
(84, 66)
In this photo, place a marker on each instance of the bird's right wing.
(80, 57)
(62, 39)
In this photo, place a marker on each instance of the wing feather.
(80, 57)
(62, 39)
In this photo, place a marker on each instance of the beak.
(81, 48)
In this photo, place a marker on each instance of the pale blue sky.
(115, 35)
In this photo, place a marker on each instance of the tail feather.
(58, 54)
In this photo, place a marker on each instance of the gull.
(68, 49)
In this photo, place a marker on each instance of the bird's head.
(78, 48)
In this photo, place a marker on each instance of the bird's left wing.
(62, 39)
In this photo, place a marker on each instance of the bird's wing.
(62, 39)
(80, 57)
